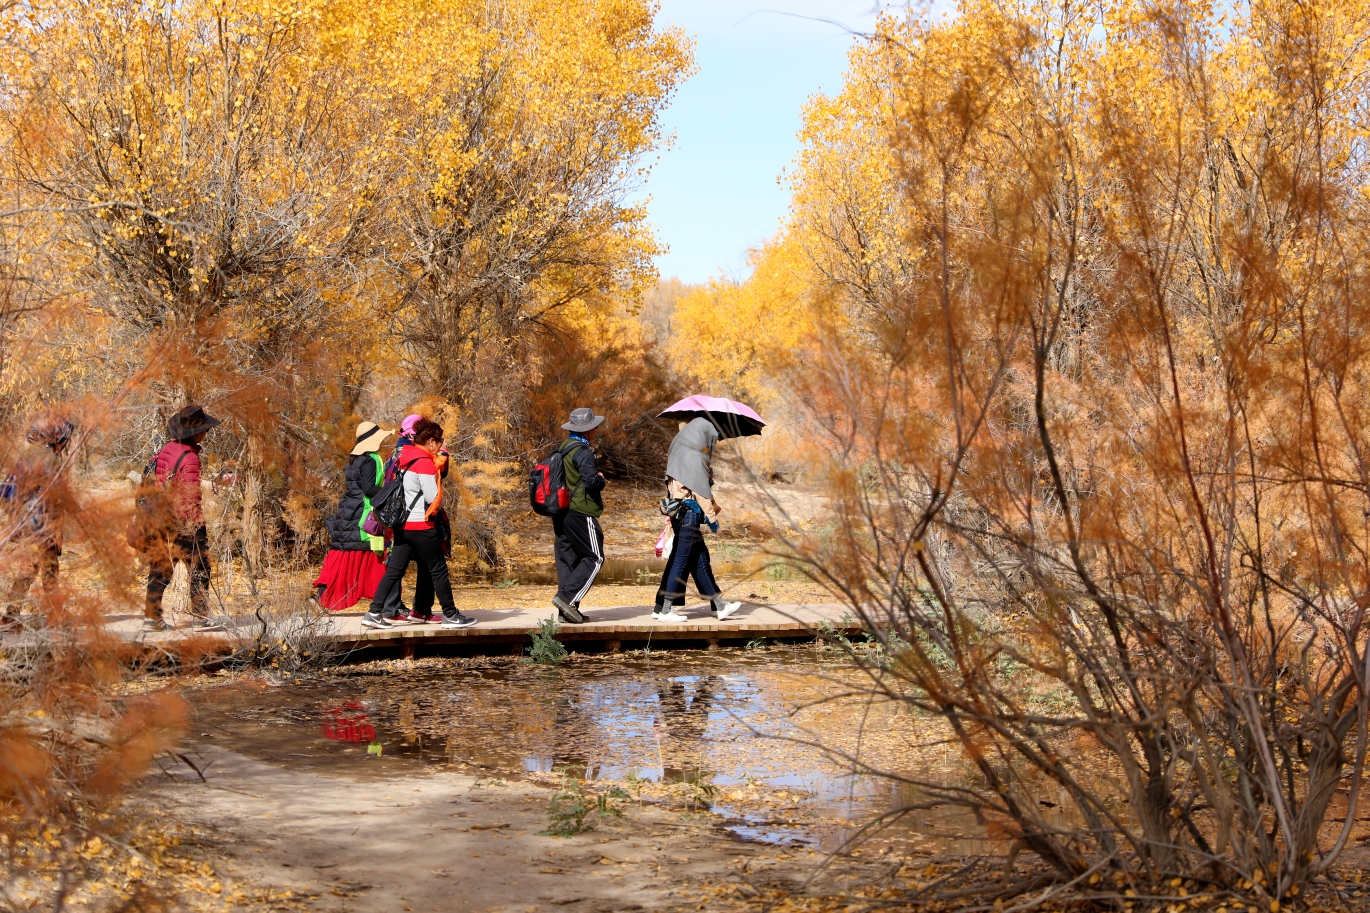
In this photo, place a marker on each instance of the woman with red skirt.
(355, 562)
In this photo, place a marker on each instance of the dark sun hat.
(583, 420)
(189, 422)
(51, 429)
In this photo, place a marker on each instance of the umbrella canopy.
(732, 419)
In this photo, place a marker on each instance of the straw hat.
(370, 436)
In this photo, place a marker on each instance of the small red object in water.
(349, 724)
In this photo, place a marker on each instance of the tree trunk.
(254, 546)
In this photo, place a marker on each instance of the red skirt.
(349, 577)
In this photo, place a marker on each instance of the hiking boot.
(155, 624)
(568, 612)
(458, 621)
(722, 608)
(372, 620)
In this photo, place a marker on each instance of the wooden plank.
(606, 625)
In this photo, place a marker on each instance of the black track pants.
(579, 552)
(425, 547)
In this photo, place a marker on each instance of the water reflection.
(348, 723)
(730, 723)
(685, 706)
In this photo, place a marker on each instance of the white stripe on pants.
(599, 562)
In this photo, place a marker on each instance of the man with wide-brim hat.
(190, 422)
(582, 420)
(579, 542)
(177, 467)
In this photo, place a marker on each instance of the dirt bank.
(399, 837)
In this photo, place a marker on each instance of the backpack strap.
(176, 467)
(366, 502)
(566, 455)
(403, 470)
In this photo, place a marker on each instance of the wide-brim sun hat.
(370, 436)
(51, 429)
(583, 420)
(190, 421)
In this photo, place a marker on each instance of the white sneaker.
(672, 615)
(728, 609)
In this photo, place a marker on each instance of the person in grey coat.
(689, 483)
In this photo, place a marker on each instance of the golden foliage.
(736, 337)
(280, 208)
(1098, 411)
(289, 210)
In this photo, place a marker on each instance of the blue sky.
(714, 194)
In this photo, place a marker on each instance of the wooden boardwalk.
(510, 630)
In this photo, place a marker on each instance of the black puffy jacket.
(363, 483)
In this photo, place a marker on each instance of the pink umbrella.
(732, 419)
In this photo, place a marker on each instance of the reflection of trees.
(573, 745)
(499, 724)
(684, 718)
(406, 724)
(506, 723)
(545, 719)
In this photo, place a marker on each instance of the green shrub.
(546, 649)
(571, 807)
(779, 572)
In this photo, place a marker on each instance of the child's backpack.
(547, 491)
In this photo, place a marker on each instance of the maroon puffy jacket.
(185, 488)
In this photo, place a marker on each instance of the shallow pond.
(742, 730)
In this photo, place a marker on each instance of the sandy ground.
(400, 837)
(274, 835)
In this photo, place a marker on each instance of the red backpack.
(547, 490)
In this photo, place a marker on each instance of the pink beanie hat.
(407, 426)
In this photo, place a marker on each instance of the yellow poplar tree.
(738, 337)
(520, 128)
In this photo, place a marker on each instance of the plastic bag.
(665, 540)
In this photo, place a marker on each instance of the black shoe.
(372, 620)
(458, 621)
(568, 612)
(155, 624)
